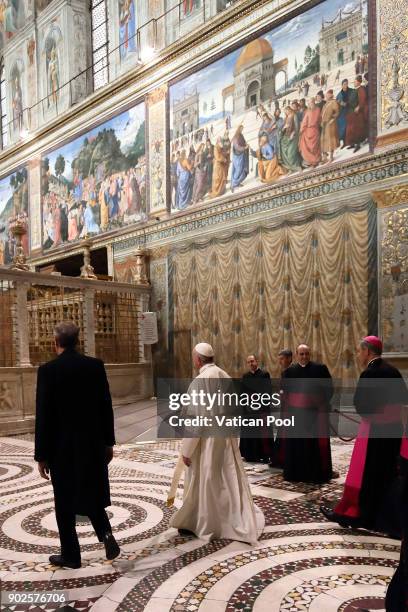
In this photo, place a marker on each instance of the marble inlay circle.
(363, 603)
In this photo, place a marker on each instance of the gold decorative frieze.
(394, 196)
(157, 95)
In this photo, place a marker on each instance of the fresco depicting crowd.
(91, 209)
(306, 122)
(105, 185)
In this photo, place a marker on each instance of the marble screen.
(293, 99)
(96, 182)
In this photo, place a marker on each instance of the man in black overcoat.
(74, 439)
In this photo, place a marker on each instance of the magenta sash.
(404, 447)
(302, 400)
(349, 504)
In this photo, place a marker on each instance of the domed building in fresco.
(255, 73)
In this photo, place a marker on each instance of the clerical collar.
(205, 366)
(304, 365)
(251, 372)
(372, 361)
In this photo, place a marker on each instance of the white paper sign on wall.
(148, 327)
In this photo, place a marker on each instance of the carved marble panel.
(157, 149)
(393, 285)
(393, 64)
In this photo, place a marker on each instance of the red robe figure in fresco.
(357, 119)
(309, 140)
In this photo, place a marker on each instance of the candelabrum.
(18, 229)
(87, 270)
(140, 276)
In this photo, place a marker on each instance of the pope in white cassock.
(217, 501)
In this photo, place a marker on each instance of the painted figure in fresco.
(209, 155)
(330, 134)
(31, 51)
(173, 177)
(357, 119)
(184, 181)
(10, 19)
(73, 224)
(309, 139)
(104, 203)
(267, 127)
(220, 169)
(113, 198)
(56, 220)
(276, 134)
(90, 225)
(200, 175)
(17, 102)
(240, 159)
(289, 152)
(269, 169)
(189, 6)
(344, 99)
(127, 27)
(53, 77)
(135, 197)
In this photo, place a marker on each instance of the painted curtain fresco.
(13, 206)
(96, 182)
(293, 99)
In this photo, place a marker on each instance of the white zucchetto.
(205, 349)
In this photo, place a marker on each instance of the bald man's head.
(303, 354)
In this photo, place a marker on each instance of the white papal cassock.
(217, 500)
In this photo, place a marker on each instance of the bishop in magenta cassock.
(367, 499)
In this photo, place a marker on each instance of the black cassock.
(257, 448)
(74, 425)
(397, 592)
(307, 394)
(380, 392)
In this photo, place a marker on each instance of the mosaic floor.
(301, 562)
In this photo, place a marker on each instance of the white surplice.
(217, 501)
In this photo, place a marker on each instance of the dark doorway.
(71, 266)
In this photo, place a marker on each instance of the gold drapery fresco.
(271, 288)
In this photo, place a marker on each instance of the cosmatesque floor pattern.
(300, 563)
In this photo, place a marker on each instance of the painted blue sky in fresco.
(6, 191)
(296, 34)
(125, 125)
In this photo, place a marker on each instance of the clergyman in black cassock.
(307, 391)
(369, 498)
(397, 592)
(74, 439)
(253, 382)
(285, 361)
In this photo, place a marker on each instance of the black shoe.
(357, 148)
(186, 532)
(334, 517)
(59, 561)
(111, 547)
